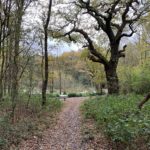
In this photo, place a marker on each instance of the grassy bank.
(30, 119)
(120, 120)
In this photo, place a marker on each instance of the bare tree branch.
(91, 47)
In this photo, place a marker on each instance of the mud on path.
(66, 135)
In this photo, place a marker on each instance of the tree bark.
(45, 77)
(15, 58)
(112, 79)
(45, 80)
(60, 80)
(111, 69)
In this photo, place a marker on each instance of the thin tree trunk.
(10, 64)
(1, 55)
(15, 62)
(52, 84)
(45, 80)
(31, 85)
(52, 91)
(60, 81)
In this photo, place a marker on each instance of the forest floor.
(68, 133)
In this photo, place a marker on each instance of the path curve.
(66, 134)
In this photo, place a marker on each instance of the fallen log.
(146, 98)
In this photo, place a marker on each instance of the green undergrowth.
(29, 120)
(121, 121)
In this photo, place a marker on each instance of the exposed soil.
(66, 134)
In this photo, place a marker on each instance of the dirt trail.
(65, 135)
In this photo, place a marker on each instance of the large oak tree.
(113, 19)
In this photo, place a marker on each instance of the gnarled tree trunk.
(111, 69)
(112, 79)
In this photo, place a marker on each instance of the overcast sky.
(33, 18)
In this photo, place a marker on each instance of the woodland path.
(66, 133)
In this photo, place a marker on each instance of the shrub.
(141, 80)
(74, 95)
(94, 94)
(83, 94)
(53, 95)
(136, 79)
(54, 104)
